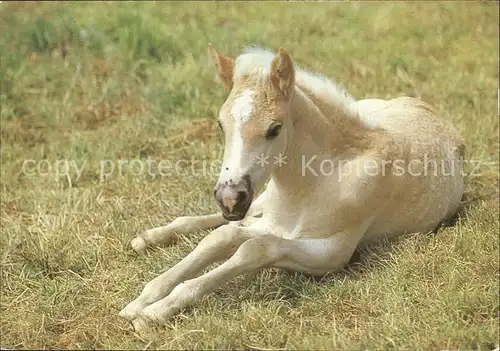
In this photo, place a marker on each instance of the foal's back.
(422, 197)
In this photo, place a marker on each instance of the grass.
(90, 82)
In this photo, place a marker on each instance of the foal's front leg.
(313, 256)
(218, 245)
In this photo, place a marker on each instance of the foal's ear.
(283, 73)
(224, 66)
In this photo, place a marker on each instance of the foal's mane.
(256, 62)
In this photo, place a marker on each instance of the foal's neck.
(321, 131)
(331, 125)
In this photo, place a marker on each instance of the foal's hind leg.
(216, 246)
(166, 235)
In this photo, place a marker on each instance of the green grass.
(88, 82)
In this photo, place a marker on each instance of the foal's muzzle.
(234, 198)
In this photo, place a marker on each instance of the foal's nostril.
(242, 196)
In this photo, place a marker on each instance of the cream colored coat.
(350, 172)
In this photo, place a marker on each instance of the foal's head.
(254, 119)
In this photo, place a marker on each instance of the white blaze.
(243, 107)
(241, 111)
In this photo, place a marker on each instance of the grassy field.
(91, 91)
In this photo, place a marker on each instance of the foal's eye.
(273, 131)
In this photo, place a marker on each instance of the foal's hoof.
(125, 314)
(146, 320)
(130, 311)
(138, 244)
(139, 325)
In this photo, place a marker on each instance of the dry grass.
(108, 81)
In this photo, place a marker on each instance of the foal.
(339, 173)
